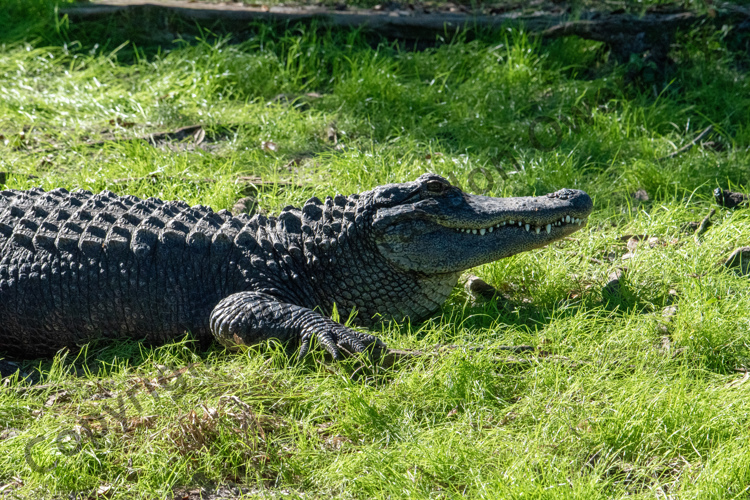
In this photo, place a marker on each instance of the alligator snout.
(579, 200)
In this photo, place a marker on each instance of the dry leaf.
(199, 135)
(337, 441)
(640, 195)
(479, 289)
(636, 237)
(121, 123)
(17, 482)
(247, 205)
(105, 490)
(612, 288)
(47, 160)
(146, 422)
(58, 397)
(584, 426)
(322, 428)
(739, 381)
(739, 259)
(332, 133)
(270, 146)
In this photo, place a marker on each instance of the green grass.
(621, 408)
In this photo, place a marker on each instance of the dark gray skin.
(76, 266)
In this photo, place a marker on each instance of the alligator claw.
(329, 342)
(362, 342)
(348, 341)
(304, 348)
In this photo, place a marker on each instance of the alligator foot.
(248, 318)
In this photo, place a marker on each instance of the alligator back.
(75, 266)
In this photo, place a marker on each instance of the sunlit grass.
(621, 405)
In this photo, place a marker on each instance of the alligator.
(77, 266)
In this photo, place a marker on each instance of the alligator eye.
(435, 187)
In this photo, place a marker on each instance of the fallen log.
(625, 33)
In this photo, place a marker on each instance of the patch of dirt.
(215, 493)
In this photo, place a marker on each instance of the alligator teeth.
(537, 229)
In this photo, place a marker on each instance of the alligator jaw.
(563, 224)
(525, 227)
(454, 231)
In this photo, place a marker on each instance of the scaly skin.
(77, 266)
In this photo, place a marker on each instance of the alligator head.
(429, 226)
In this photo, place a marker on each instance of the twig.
(738, 382)
(180, 134)
(196, 132)
(689, 145)
(23, 389)
(703, 227)
(154, 178)
(393, 356)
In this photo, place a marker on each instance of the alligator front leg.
(250, 317)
